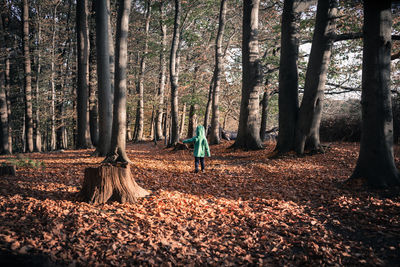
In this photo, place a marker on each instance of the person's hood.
(200, 131)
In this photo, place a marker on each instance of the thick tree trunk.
(10, 140)
(103, 76)
(28, 79)
(264, 115)
(174, 65)
(249, 127)
(109, 183)
(83, 135)
(311, 106)
(118, 139)
(162, 78)
(376, 163)
(288, 79)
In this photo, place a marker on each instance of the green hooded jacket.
(201, 148)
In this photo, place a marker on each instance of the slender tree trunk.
(264, 115)
(37, 137)
(28, 79)
(93, 105)
(10, 140)
(288, 79)
(174, 65)
(249, 127)
(83, 135)
(118, 138)
(140, 113)
(311, 107)
(183, 118)
(52, 80)
(376, 163)
(162, 78)
(4, 144)
(192, 110)
(215, 127)
(103, 76)
(208, 105)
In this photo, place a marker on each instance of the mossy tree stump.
(110, 182)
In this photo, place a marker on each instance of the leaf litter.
(245, 209)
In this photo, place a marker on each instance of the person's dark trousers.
(196, 163)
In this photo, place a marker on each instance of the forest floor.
(245, 209)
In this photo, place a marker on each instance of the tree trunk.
(174, 65)
(83, 135)
(208, 105)
(264, 115)
(28, 79)
(183, 118)
(10, 140)
(162, 78)
(288, 79)
(37, 137)
(311, 106)
(93, 105)
(109, 183)
(52, 80)
(103, 76)
(249, 127)
(118, 139)
(376, 163)
(140, 113)
(215, 127)
(4, 144)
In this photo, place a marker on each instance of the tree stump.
(108, 183)
(7, 170)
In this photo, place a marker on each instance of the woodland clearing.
(245, 209)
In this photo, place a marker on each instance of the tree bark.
(215, 127)
(288, 79)
(249, 127)
(37, 137)
(208, 105)
(162, 78)
(174, 65)
(311, 106)
(4, 144)
(375, 163)
(93, 103)
(109, 183)
(118, 139)
(264, 115)
(52, 80)
(103, 76)
(83, 135)
(183, 118)
(140, 109)
(28, 79)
